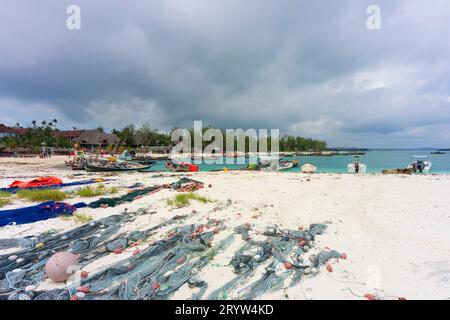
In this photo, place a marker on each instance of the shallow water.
(376, 161)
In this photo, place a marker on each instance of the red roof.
(6, 129)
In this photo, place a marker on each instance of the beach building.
(91, 139)
(88, 139)
(6, 131)
(71, 135)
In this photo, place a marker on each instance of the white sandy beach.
(394, 229)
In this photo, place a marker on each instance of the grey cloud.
(286, 64)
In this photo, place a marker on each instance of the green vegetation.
(5, 198)
(78, 218)
(4, 202)
(132, 137)
(113, 190)
(4, 194)
(100, 190)
(35, 136)
(89, 192)
(143, 136)
(290, 143)
(184, 199)
(211, 253)
(81, 218)
(42, 195)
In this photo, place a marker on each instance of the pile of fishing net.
(129, 197)
(40, 183)
(91, 242)
(52, 209)
(282, 257)
(186, 185)
(166, 265)
(43, 211)
(183, 184)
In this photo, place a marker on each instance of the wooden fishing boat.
(115, 166)
(145, 162)
(181, 167)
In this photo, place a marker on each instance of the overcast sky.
(309, 68)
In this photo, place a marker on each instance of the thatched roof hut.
(96, 138)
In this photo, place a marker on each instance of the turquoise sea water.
(375, 161)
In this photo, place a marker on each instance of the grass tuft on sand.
(4, 202)
(42, 195)
(184, 199)
(4, 194)
(78, 218)
(89, 192)
(5, 198)
(82, 218)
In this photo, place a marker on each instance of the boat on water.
(421, 164)
(437, 152)
(145, 162)
(295, 163)
(271, 164)
(132, 157)
(181, 167)
(308, 168)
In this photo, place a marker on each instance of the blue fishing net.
(43, 211)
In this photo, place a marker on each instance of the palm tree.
(44, 123)
(33, 123)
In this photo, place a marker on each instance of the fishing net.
(281, 256)
(274, 260)
(161, 269)
(129, 197)
(136, 194)
(91, 241)
(43, 211)
(58, 186)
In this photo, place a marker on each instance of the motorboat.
(274, 164)
(421, 164)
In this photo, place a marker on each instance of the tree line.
(37, 135)
(132, 137)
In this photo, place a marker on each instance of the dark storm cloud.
(306, 67)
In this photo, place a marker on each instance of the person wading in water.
(356, 167)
